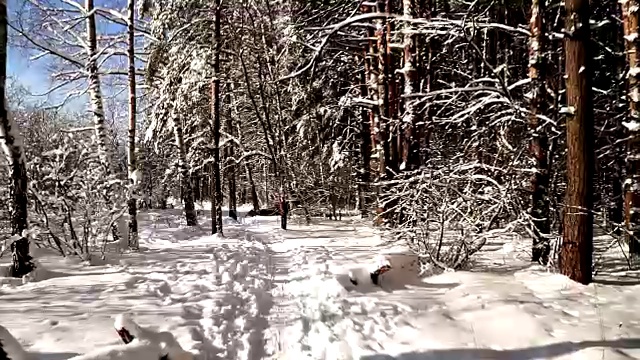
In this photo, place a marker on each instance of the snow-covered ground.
(264, 293)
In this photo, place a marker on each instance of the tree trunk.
(365, 148)
(616, 178)
(426, 48)
(282, 201)
(12, 142)
(632, 183)
(371, 71)
(383, 94)
(216, 205)
(185, 175)
(539, 146)
(95, 92)
(410, 121)
(392, 62)
(617, 208)
(252, 185)
(231, 169)
(249, 173)
(577, 245)
(132, 202)
(97, 106)
(197, 188)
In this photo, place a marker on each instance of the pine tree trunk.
(616, 178)
(577, 245)
(632, 183)
(185, 175)
(132, 202)
(539, 146)
(372, 72)
(231, 169)
(383, 93)
(617, 208)
(216, 206)
(11, 142)
(382, 96)
(410, 121)
(365, 148)
(252, 185)
(392, 62)
(426, 48)
(249, 173)
(284, 206)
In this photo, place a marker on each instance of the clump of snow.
(136, 176)
(11, 140)
(165, 342)
(632, 126)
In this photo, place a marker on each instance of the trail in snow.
(213, 293)
(505, 308)
(264, 293)
(329, 318)
(221, 287)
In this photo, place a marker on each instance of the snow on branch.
(333, 29)
(47, 49)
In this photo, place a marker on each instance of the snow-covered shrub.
(75, 201)
(158, 176)
(471, 185)
(444, 216)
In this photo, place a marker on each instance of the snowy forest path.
(287, 265)
(316, 314)
(219, 287)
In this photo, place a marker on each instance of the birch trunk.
(185, 175)
(216, 204)
(12, 142)
(95, 93)
(632, 183)
(132, 202)
(539, 146)
(577, 245)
